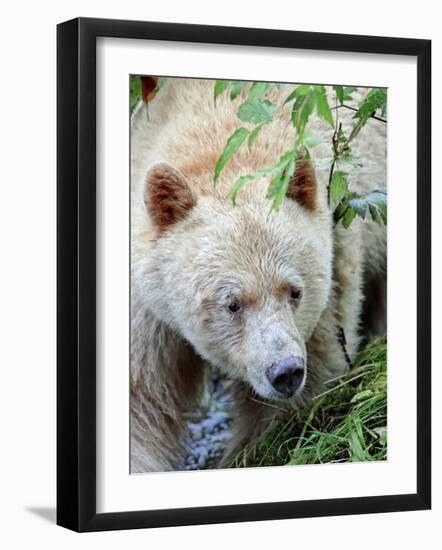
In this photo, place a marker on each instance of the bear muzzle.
(287, 375)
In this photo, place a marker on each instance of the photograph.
(220, 328)
(258, 273)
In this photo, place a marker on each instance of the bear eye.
(234, 307)
(295, 294)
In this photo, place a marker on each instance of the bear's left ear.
(167, 196)
(303, 187)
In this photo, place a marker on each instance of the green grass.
(347, 423)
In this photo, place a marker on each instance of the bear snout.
(286, 375)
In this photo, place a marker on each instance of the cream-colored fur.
(182, 277)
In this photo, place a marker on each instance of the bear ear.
(167, 196)
(303, 187)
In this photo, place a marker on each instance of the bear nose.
(286, 375)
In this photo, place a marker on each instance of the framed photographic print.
(243, 332)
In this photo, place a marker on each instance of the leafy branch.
(259, 112)
(348, 205)
(305, 99)
(356, 110)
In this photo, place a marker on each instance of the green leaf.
(286, 165)
(289, 155)
(299, 91)
(161, 81)
(253, 135)
(359, 204)
(338, 186)
(357, 442)
(324, 163)
(322, 106)
(277, 169)
(306, 111)
(348, 160)
(377, 205)
(348, 90)
(362, 396)
(279, 185)
(256, 111)
(348, 217)
(274, 185)
(258, 89)
(255, 175)
(303, 89)
(339, 212)
(220, 86)
(290, 97)
(307, 139)
(237, 186)
(233, 144)
(302, 110)
(135, 91)
(296, 110)
(375, 99)
(236, 88)
(339, 90)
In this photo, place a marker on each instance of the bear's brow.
(228, 290)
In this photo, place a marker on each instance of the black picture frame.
(76, 273)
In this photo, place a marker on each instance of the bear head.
(244, 285)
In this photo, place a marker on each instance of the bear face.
(246, 286)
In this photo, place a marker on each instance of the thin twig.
(335, 156)
(330, 177)
(268, 404)
(356, 110)
(336, 119)
(343, 343)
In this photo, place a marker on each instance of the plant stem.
(330, 177)
(356, 110)
(336, 154)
